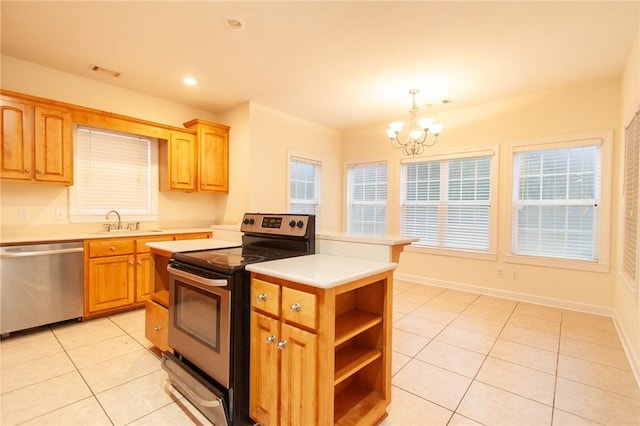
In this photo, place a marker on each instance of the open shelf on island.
(351, 359)
(357, 401)
(354, 322)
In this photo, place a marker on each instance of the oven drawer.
(299, 307)
(265, 296)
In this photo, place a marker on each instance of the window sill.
(558, 263)
(452, 253)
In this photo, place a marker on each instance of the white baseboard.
(522, 297)
(634, 361)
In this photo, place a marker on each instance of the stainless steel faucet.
(117, 214)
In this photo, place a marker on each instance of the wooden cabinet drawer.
(157, 325)
(100, 248)
(265, 296)
(299, 307)
(141, 243)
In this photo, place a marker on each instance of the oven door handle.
(197, 278)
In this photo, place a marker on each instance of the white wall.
(567, 111)
(181, 210)
(259, 141)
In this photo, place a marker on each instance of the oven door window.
(197, 313)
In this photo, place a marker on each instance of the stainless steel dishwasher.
(40, 284)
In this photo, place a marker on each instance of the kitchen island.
(320, 340)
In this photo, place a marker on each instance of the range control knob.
(292, 223)
(300, 224)
(248, 221)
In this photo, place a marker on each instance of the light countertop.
(387, 240)
(76, 236)
(191, 245)
(321, 270)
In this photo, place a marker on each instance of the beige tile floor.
(458, 359)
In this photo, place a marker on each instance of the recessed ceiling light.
(190, 81)
(234, 24)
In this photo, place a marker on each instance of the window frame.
(98, 216)
(349, 203)
(317, 201)
(491, 253)
(604, 140)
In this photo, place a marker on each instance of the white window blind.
(631, 169)
(446, 203)
(304, 187)
(367, 199)
(112, 171)
(556, 197)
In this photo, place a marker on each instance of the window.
(367, 199)
(304, 186)
(630, 233)
(112, 171)
(556, 197)
(446, 202)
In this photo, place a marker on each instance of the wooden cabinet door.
(264, 378)
(144, 276)
(17, 136)
(111, 282)
(157, 325)
(213, 150)
(182, 164)
(299, 384)
(53, 161)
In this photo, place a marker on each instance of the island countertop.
(321, 270)
(167, 248)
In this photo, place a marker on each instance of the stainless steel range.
(209, 311)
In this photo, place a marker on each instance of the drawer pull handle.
(295, 307)
(282, 345)
(271, 339)
(262, 297)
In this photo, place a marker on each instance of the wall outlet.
(515, 275)
(24, 214)
(163, 213)
(500, 273)
(61, 214)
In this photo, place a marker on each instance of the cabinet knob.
(39, 171)
(131, 263)
(271, 339)
(295, 307)
(261, 297)
(156, 328)
(112, 248)
(282, 344)
(27, 170)
(139, 262)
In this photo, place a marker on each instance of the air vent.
(104, 70)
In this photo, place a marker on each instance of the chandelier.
(420, 131)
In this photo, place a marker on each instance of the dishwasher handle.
(39, 253)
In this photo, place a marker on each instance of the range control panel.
(285, 224)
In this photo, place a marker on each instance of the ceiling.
(341, 64)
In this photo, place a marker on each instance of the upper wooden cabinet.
(36, 143)
(178, 163)
(213, 155)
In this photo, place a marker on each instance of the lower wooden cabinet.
(157, 324)
(320, 356)
(120, 273)
(283, 358)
